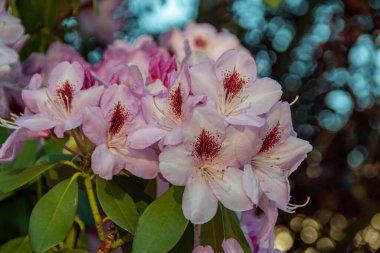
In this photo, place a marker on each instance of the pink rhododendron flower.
(11, 28)
(8, 56)
(259, 229)
(203, 249)
(12, 146)
(107, 126)
(229, 246)
(165, 111)
(280, 154)
(201, 37)
(121, 54)
(56, 53)
(60, 105)
(235, 89)
(206, 164)
(160, 68)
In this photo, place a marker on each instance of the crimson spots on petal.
(200, 42)
(175, 101)
(65, 92)
(271, 139)
(118, 119)
(233, 83)
(206, 146)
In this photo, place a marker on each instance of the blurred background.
(325, 52)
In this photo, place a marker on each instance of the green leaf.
(14, 179)
(17, 245)
(162, 224)
(223, 226)
(53, 215)
(117, 204)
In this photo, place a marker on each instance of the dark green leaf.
(84, 209)
(82, 242)
(117, 204)
(186, 243)
(151, 188)
(37, 13)
(53, 215)
(14, 215)
(3, 134)
(212, 232)
(134, 186)
(223, 226)
(59, 174)
(162, 224)
(14, 179)
(51, 148)
(53, 158)
(17, 245)
(73, 251)
(5, 195)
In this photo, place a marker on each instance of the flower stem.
(94, 207)
(119, 242)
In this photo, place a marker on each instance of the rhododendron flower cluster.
(196, 115)
(12, 38)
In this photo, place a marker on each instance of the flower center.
(206, 146)
(119, 116)
(200, 42)
(233, 83)
(175, 101)
(271, 139)
(65, 92)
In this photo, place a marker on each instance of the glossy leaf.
(17, 245)
(223, 226)
(162, 224)
(117, 204)
(14, 179)
(53, 215)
